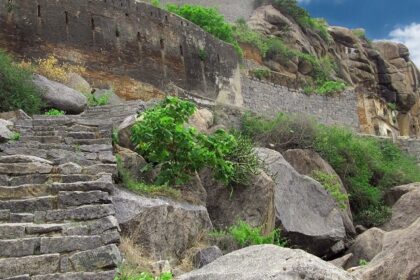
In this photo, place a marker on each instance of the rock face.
(165, 228)
(399, 258)
(268, 262)
(206, 256)
(304, 210)
(5, 133)
(366, 246)
(202, 120)
(124, 132)
(381, 71)
(253, 204)
(305, 162)
(405, 211)
(395, 193)
(78, 83)
(59, 96)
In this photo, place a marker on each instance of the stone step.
(101, 275)
(29, 205)
(42, 139)
(81, 213)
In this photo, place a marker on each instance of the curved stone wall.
(121, 37)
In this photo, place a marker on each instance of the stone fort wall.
(122, 37)
(269, 99)
(233, 9)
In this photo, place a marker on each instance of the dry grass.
(135, 259)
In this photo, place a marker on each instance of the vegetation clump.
(17, 91)
(55, 113)
(367, 166)
(246, 235)
(210, 19)
(332, 186)
(143, 276)
(162, 136)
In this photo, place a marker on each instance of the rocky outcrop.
(399, 257)
(405, 211)
(206, 256)
(306, 162)
(5, 133)
(59, 96)
(164, 228)
(365, 247)
(304, 210)
(253, 204)
(395, 193)
(268, 262)
(381, 71)
(56, 216)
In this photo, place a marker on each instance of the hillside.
(145, 141)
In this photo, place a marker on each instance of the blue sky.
(398, 20)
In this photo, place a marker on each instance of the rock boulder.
(268, 262)
(59, 96)
(305, 162)
(304, 210)
(163, 227)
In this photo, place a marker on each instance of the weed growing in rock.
(246, 235)
(332, 186)
(17, 91)
(163, 138)
(367, 166)
(302, 17)
(55, 113)
(143, 276)
(210, 19)
(363, 262)
(99, 101)
(15, 136)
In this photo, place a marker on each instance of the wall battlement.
(121, 37)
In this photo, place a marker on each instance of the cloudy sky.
(398, 20)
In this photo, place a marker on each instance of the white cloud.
(409, 35)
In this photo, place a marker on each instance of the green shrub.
(302, 17)
(261, 73)
(143, 276)
(363, 262)
(359, 32)
(210, 19)
(163, 138)
(392, 106)
(99, 101)
(332, 186)
(17, 91)
(244, 34)
(246, 235)
(15, 136)
(367, 166)
(54, 113)
(330, 87)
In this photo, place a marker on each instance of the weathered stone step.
(42, 139)
(27, 205)
(82, 213)
(44, 178)
(102, 275)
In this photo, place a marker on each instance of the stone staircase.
(56, 215)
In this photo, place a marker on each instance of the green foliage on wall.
(17, 91)
(367, 166)
(210, 19)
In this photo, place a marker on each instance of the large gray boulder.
(268, 262)
(164, 228)
(78, 83)
(304, 210)
(405, 211)
(395, 193)
(5, 133)
(399, 257)
(306, 162)
(253, 204)
(59, 96)
(365, 247)
(124, 132)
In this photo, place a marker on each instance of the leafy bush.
(246, 235)
(261, 73)
(98, 101)
(210, 19)
(143, 276)
(17, 91)
(367, 166)
(244, 34)
(15, 136)
(55, 112)
(302, 17)
(329, 87)
(163, 138)
(332, 186)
